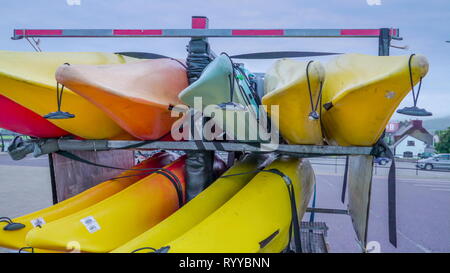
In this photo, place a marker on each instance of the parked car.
(382, 160)
(438, 161)
(425, 155)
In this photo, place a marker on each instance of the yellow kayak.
(198, 208)
(28, 78)
(257, 218)
(286, 85)
(117, 219)
(15, 239)
(361, 93)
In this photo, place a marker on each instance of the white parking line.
(419, 246)
(423, 181)
(436, 189)
(434, 186)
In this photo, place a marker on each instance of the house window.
(411, 143)
(408, 154)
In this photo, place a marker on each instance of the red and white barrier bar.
(199, 30)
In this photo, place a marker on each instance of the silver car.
(439, 161)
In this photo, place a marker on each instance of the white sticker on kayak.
(91, 224)
(38, 222)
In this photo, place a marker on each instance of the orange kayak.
(137, 96)
(15, 239)
(116, 220)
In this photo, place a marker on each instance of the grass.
(8, 138)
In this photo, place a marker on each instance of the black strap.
(166, 173)
(381, 148)
(344, 183)
(392, 201)
(269, 239)
(295, 224)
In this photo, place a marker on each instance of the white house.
(409, 146)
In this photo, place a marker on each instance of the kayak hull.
(213, 86)
(218, 91)
(363, 92)
(137, 96)
(198, 208)
(286, 86)
(117, 219)
(257, 218)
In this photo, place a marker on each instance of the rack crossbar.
(189, 33)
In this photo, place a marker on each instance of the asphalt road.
(423, 215)
(423, 203)
(31, 161)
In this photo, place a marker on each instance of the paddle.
(281, 54)
(257, 55)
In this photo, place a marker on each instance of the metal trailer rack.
(359, 183)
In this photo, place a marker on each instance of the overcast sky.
(424, 25)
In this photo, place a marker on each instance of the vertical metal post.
(3, 143)
(384, 42)
(199, 164)
(52, 179)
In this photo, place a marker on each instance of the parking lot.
(423, 210)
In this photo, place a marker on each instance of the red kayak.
(19, 119)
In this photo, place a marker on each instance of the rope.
(144, 248)
(415, 96)
(313, 115)
(232, 77)
(6, 220)
(182, 64)
(25, 248)
(59, 93)
(246, 79)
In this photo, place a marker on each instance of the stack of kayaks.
(117, 97)
(198, 208)
(28, 79)
(258, 218)
(15, 239)
(347, 101)
(113, 221)
(359, 95)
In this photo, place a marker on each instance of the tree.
(443, 146)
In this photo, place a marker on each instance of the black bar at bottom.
(52, 179)
(330, 211)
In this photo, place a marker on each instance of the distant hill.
(435, 124)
